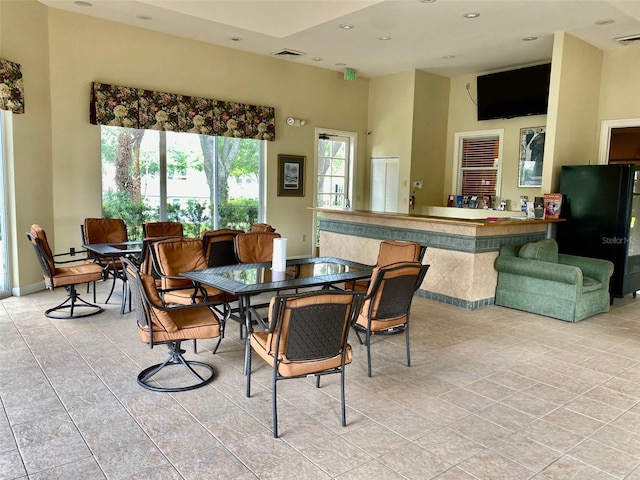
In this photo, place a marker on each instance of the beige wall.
(619, 97)
(391, 126)
(66, 171)
(24, 40)
(429, 143)
(572, 133)
(463, 118)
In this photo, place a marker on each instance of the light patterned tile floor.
(492, 394)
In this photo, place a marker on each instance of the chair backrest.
(391, 291)
(255, 247)
(104, 230)
(162, 229)
(311, 326)
(172, 256)
(218, 246)
(262, 227)
(394, 251)
(38, 239)
(147, 304)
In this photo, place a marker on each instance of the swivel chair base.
(176, 358)
(74, 305)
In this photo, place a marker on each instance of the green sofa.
(533, 277)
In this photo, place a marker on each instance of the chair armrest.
(595, 268)
(268, 327)
(80, 254)
(223, 308)
(555, 272)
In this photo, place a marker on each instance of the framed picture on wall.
(531, 157)
(290, 176)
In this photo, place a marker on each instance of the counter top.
(435, 219)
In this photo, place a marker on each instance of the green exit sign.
(349, 73)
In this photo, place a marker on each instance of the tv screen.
(514, 93)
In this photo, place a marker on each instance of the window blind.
(480, 166)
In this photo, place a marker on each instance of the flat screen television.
(514, 93)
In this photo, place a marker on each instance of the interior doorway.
(620, 141)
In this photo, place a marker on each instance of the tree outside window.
(150, 175)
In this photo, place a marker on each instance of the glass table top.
(259, 277)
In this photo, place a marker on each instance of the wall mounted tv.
(514, 93)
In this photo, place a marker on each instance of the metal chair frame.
(73, 300)
(143, 306)
(392, 297)
(315, 332)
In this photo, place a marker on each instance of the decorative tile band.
(456, 302)
(444, 241)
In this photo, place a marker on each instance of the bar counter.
(461, 251)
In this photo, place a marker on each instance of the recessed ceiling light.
(529, 39)
(384, 38)
(143, 17)
(426, 1)
(235, 39)
(340, 64)
(83, 4)
(605, 22)
(317, 59)
(346, 26)
(471, 15)
(449, 57)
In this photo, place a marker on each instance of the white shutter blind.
(385, 174)
(480, 166)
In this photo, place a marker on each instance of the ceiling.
(432, 36)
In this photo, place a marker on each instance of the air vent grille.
(288, 53)
(629, 39)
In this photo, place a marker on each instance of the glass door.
(335, 152)
(4, 247)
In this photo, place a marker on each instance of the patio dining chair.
(306, 336)
(67, 274)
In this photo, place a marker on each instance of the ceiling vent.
(288, 53)
(629, 39)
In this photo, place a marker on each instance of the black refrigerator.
(601, 206)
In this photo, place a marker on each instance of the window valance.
(11, 87)
(145, 109)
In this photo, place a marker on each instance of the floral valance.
(137, 108)
(11, 87)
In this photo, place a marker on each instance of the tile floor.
(492, 394)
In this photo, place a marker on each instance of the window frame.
(459, 137)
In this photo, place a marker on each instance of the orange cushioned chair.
(262, 227)
(306, 335)
(218, 245)
(171, 256)
(387, 305)
(106, 230)
(159, 324)
(65, 276)
(389, 252)
(162, 229)
(255, 247)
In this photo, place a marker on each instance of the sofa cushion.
(544, 250)
(590, 285)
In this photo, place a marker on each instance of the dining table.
(111, 251)
(247, 280)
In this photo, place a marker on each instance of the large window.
(477, 160)
(202, 181)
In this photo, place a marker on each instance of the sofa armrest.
(544, 270)
(595, 268)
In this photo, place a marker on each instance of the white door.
(385, 174)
